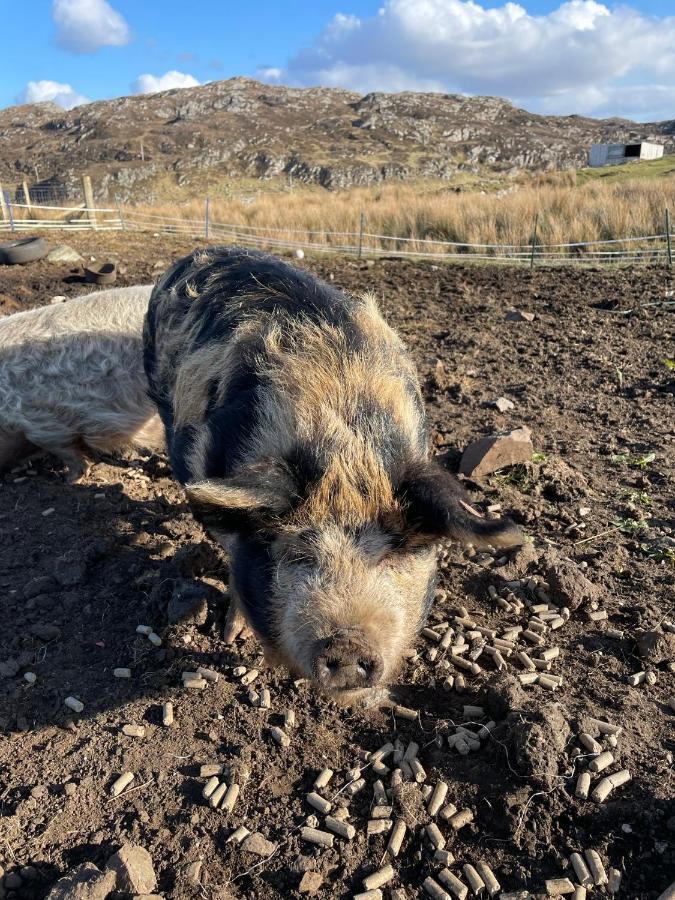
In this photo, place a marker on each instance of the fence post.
(8, 201)
(534, 240)
(362, 223)
(670, 252)
(3, 205)
(119, 213)
(89, 201)
(26, 198)
(206, 219)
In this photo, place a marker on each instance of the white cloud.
(582, 56)
(84, 26)
(63, 94)
(272, 74)
(150, 84)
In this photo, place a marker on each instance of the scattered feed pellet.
(460, 819)
(396, 838)
(238, 835)
(558, 887)
(318, 803)
(217, 795)
(601, 762)
(342, 829)
(434, 890)
(583, 786)
(456, 887)
(492, 886)
(74, 704)
(437, 798)
(379, 878)
(281, 738)
(137, 731)
(323, 778)
(167, 713)
(230, 798)
(596, 867)
(121, 783)
(435, 836)
(317, 837)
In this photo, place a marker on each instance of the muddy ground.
(82, 565)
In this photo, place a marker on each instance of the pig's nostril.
(333, 666)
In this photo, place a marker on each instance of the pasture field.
(82, 565)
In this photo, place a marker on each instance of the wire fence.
(20, 217)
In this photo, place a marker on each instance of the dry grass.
(566, 212)
(570, 207)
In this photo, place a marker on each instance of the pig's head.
(335, 573)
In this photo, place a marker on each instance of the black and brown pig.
(294, 420)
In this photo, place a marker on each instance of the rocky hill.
(142, 146)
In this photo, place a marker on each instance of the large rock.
(568, 584)
(134, 869)
(84, 883)
(498, 451)
(656, 647)
(62, 253)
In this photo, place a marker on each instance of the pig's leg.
(235, 623)
(74, 459)
(13, 445)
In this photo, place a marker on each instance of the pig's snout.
(347, 662)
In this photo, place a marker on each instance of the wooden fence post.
(26, 198)
(3, 205)
(8, 200)
(534, 240)
(89, 200)
(670, 251)
(362, 223)
(119, 213)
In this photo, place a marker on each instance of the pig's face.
(333, 595)
(347, 603)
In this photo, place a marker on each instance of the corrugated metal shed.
(616, 154)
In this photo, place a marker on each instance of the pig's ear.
(245, 502)
(436, 506)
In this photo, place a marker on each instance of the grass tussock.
(567, 212)
(570, 207)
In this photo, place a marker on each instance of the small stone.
(497, 451)
(135, 872)
(311, 882)
(257, 843)
(63, 253)
(86, 882)
(519, 315)
(193, 871)
(503, 404)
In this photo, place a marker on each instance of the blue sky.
(551, 56)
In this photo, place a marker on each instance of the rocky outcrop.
(327, 136)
